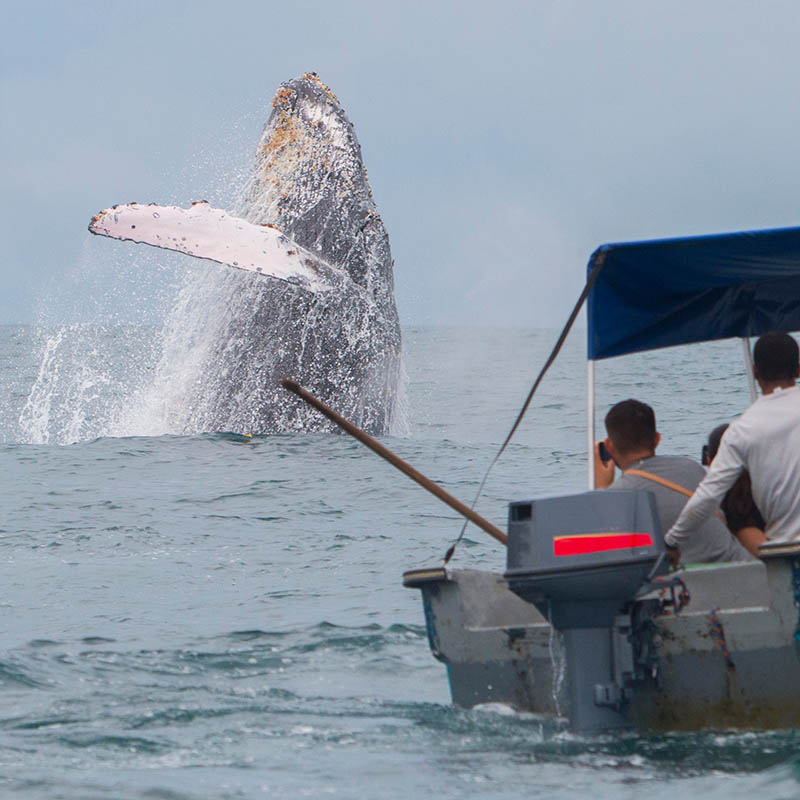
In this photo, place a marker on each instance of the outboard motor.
(581, 560)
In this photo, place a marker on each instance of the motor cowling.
(581, 560)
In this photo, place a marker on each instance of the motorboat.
(587, 621)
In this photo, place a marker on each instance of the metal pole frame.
(748, 362)
(590, 421)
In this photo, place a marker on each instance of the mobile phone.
(605, 456)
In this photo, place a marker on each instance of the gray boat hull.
(729, 659)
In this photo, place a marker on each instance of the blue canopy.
(677, 291)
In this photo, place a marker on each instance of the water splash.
(95, 343)
(558, 663)
(140, 380)
(86, 373)
(167, 401)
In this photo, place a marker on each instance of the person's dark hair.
(631, 426)
(776, 357)
(710, 449)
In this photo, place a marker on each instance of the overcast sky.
(504, 140)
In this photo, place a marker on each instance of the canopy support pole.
(748, 362)
(590, 419)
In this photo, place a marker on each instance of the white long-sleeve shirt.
(765, 441)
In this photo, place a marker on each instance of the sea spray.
(558, 662)
(85, 377)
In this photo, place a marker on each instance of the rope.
(678, 601)
(598, 265)
(669, 484)
(718, 632)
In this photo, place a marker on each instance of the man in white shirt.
(765, 440)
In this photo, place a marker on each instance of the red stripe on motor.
(599, 543)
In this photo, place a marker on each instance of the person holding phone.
(630, 445)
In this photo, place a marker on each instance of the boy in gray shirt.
(631, 443)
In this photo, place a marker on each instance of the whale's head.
(310, 181)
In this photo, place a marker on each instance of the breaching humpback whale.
(318, 303)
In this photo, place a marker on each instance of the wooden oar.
(395, 461)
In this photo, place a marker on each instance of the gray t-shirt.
(712, 541)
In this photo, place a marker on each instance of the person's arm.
(750, 538)
(725, 469)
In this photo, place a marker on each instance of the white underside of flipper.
(205, 232)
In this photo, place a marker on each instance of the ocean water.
(210, 615)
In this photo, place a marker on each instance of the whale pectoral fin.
(210, 233)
